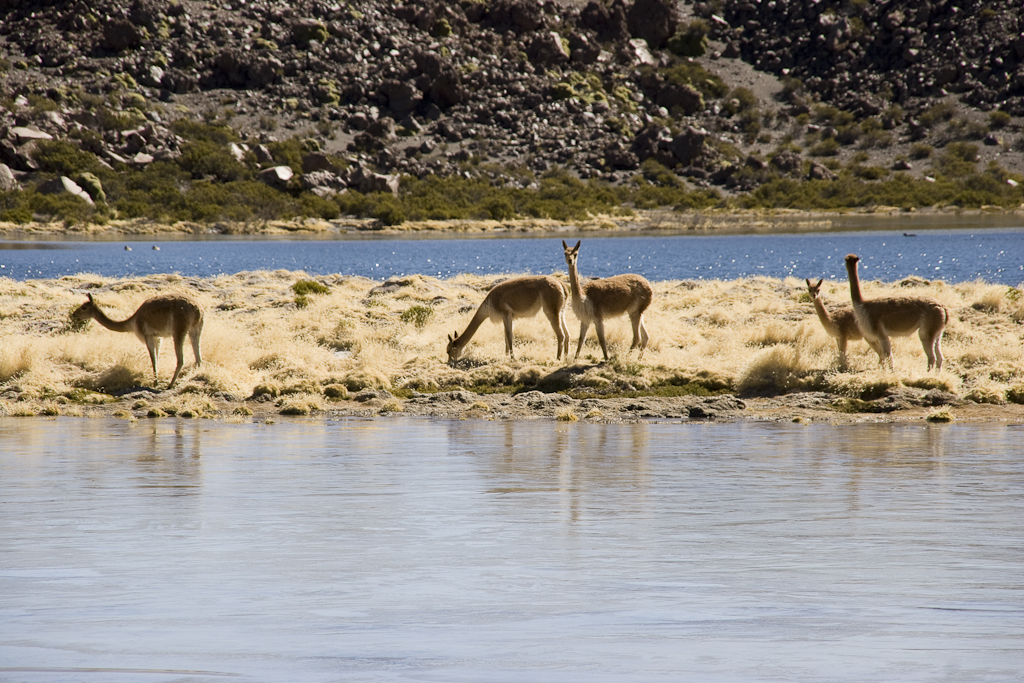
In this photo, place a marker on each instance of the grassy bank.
(303, 343)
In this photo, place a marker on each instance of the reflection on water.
(370, 550)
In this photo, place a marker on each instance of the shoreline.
(711, 222)
(898, 407)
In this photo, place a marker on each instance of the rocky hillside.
(726, 94)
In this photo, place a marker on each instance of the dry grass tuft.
(755, 335)
(779, 368)
(939, 415)
(300, 404)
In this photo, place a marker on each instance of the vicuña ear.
(807, 281)
(820, 280)
(90, 298)
(565, 246)
(577, 247)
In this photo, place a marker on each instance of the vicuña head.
(166, 315)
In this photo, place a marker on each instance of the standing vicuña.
(878, 319)
(520, 297)
(596, 300)
(840, 323)
(166, 315)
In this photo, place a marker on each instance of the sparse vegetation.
(743, 336)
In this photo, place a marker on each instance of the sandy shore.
(800, 407)
(710, 222)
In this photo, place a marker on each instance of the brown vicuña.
(899, 316)
(596, 300)
(840, 323)
(166, 315)
(520, 297)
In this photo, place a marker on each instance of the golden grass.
(752, 336)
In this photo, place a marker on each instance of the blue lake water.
(400, 549)
(994, 255)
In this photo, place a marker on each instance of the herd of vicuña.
(593, 301)
(876, 320)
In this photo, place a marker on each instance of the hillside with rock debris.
(720, 97)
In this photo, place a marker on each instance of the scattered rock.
(62, 185)
(8, 182)
(509, 70)
(277, 176)
(92, 185)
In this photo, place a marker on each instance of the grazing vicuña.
(519, 297)
(167, 315)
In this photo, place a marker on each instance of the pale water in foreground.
(416, 550)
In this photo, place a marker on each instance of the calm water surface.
(418, 550)
(994, 255)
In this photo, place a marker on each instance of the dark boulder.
(516, 15)
(608, 22)
(121, 34)
(688, 146)
(687, 98)
(653, 20)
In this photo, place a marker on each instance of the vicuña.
(595, 301)
(166, 315)
(900, 316)
(519, 297)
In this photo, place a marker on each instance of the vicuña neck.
(851, 271)
(471, 329)
(823, 314)
(574, 281)
(115, 325)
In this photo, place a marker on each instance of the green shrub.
(64, 206)
(688, 72)
(562, 91)
(388, 210)
(417, 315)
(936, 114)
(741, 100)
(196, 131)
(310, 287)
(869, 172)
(958, 160)
(110, 119)
(828, 147)
(902, 190)
(998, 119)
(920, 151)
(826, 114)
(203, 158)
(690, 40)
(499, 208)
(61, 157)
(304, 288)
(288, 153)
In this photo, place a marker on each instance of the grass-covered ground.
(299, 345)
